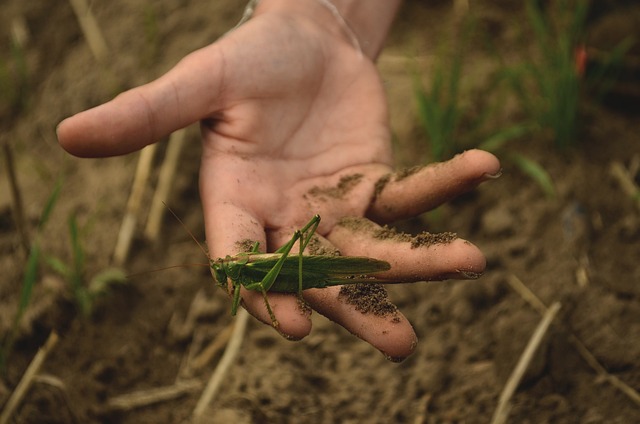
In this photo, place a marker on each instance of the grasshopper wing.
(318, 271)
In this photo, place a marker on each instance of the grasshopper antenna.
(187, 230)
(138, 274)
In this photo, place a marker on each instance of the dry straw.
(504, 403)
(28, 378)
(580, 347)
(225, 363)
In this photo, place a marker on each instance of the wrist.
(322, 13)
(370, 20)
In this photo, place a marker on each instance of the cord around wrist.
(322, 12)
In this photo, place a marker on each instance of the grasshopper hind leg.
(274, 321)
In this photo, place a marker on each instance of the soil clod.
(369, 299)
(381, 184)
(245, 246)
(407, 172)
(317, 247)
(345, 185)
(385, 232)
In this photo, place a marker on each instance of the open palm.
(294, 123)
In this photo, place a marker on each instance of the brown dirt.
(344, 186)
(317, 247)
(245, 246)
(368, 298)
(385, 232)
(580, 248)
(395, 176)
(407, 172)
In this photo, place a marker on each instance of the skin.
(286, 104)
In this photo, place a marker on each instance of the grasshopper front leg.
(310, 228)
(269, 279)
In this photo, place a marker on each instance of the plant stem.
(25, 383)
(16, 197)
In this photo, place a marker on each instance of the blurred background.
(550, 87)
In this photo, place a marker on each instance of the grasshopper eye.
(220, 275)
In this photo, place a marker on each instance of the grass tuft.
(29, 278)
(84, 294)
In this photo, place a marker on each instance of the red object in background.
(580, 55)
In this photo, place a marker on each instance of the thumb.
(143, 115)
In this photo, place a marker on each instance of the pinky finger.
(411, 193)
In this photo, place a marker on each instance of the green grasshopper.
(285, 273)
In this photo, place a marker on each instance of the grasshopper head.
(217, 269)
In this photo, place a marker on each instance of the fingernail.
(493, 176)
(396, 359)
(469, 275)
(289, 337)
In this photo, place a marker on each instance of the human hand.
(289, 110)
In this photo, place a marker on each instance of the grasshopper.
(285, 273)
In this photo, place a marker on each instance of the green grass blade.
(497, 141)
(541, 28)
(81, 294)
(604, 76)
(102, 282)
(577, 24)
(536, 172)
(28, 281)
(78, 251)
(58, 266)
(30, 275)
(51, 202)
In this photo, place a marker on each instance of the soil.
(344, 186)
(579, 248)
(369, 299)
(385, 232)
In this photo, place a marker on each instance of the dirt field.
(580, 248)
